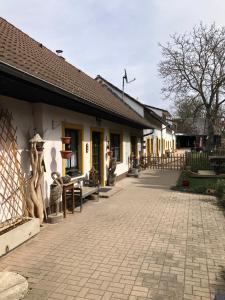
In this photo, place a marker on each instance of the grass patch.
(196, 185)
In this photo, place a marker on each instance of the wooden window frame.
(121, 144)
(80, 130)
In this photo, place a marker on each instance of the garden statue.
(111, 172)
(93, 177)
(56, 190)
(134, 167)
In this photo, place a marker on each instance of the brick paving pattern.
(146, 242)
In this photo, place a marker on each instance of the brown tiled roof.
(24, 53)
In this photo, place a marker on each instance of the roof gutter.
(23, 75)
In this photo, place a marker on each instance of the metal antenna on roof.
(125, 78)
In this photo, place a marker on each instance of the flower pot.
(66, 139)
(185, 183)
(66, 154)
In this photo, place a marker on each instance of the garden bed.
(18, 235)
(197, 185)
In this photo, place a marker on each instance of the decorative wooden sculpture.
(35, 202)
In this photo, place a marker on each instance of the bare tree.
(193, 66)
(188, 113)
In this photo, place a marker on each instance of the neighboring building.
(49, 96)
(165, 139)
(160, 136)
(192, 133)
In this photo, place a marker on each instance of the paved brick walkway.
(146, 242)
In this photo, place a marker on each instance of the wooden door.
(134, 146)
(96, 152)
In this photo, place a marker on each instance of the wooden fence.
(12, 184)
(165, 162)
(200, 160)
(173, 161)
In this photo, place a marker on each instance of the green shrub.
(220, 189)
(200, 189)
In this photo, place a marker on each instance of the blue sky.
(104, 37)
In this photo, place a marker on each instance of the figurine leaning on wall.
(56, 191)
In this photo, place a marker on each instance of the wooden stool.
(67, 187)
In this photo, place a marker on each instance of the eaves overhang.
(45, 92)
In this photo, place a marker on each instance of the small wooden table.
(68, 187)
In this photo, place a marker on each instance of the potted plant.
(185, 181)
(66, 154)
(66, 139)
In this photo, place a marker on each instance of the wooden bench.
(84, 192)
(79, 189)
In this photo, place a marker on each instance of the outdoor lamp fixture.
(107, 147)
(55, 124)
(87, 148)
(39, 142)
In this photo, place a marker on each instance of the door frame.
(102, 152)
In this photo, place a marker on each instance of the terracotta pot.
(66, 139)
(109, 153)
(185, 183)
(66, 154)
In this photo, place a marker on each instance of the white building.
(160, 136)
(49, 96)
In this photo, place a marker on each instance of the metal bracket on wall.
(55, 124)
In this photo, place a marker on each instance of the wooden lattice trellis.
(12, 183)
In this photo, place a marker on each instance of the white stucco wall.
(159, 112)
(47, 121)
(23, 115)
(136, 107)
(162, 134)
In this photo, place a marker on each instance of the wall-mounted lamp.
(107, 145)
(87, 147)
(38, 141)
(55, 124)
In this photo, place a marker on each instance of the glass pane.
(72, 164)
(115, 146)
